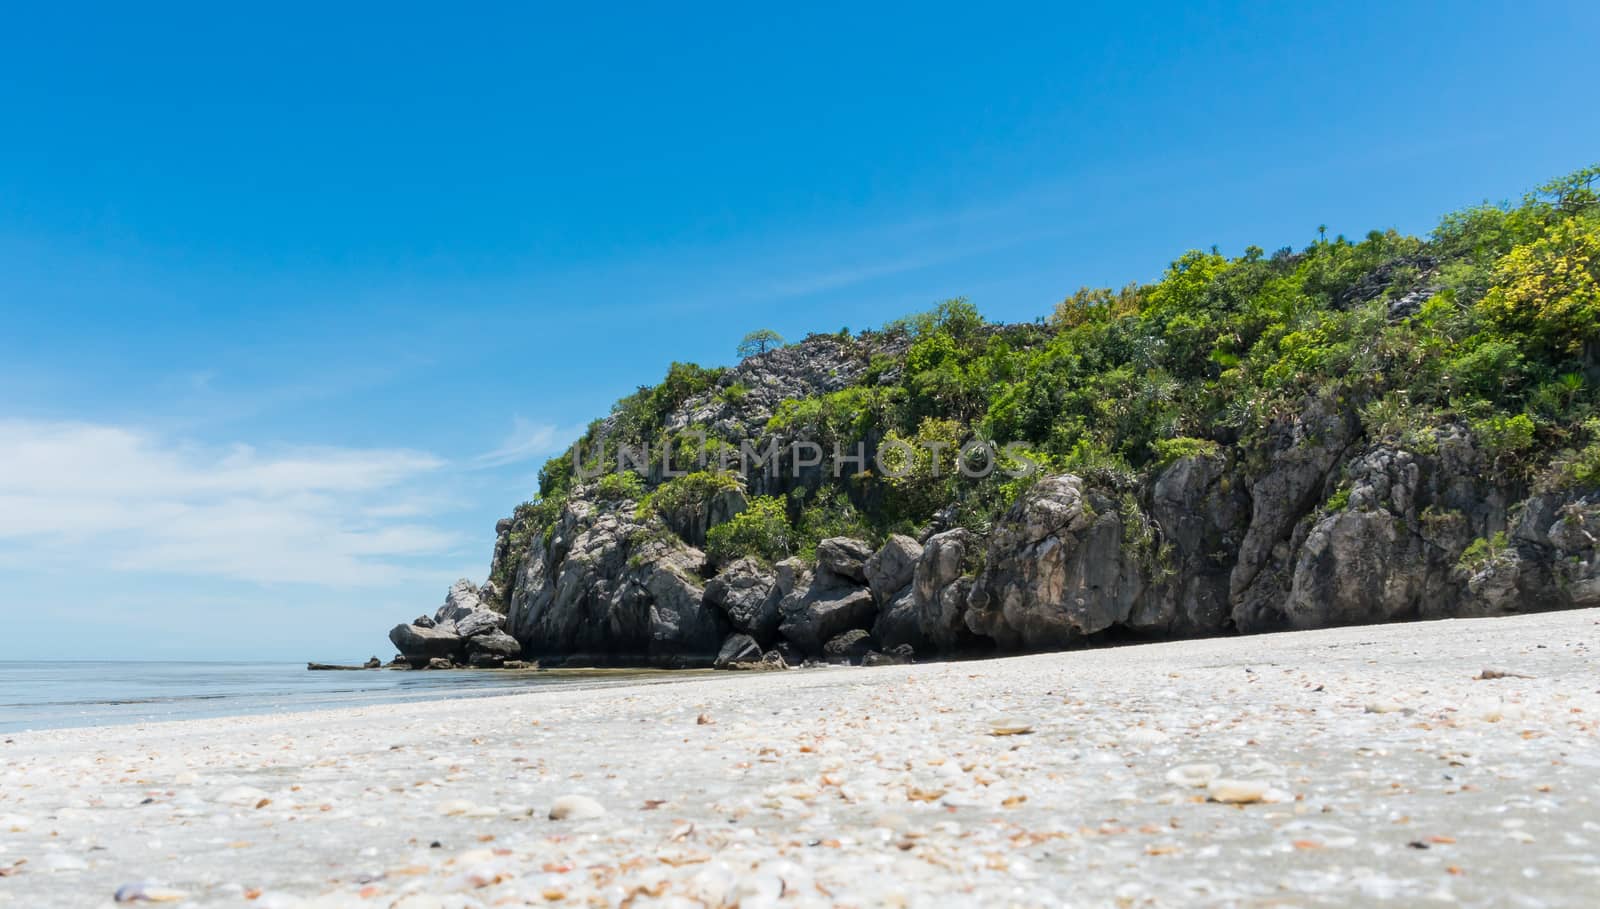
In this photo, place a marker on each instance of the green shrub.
(761, 530)
(829, 514)
(1576, 468)
(1504, 436)
(688, 492)
(1180, 447)
(1483, 552)
(621, 486)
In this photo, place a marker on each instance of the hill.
(1359, 431)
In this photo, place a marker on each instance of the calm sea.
(40, 695)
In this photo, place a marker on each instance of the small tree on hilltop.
(759, 342)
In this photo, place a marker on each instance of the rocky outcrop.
(462, 600)
(738, 648)
(1197, 514)
(693, 520)
(1303, 452)
(1550, 561)
(817, 606)
(890, 569)
(418, 645)
(1305, 522)
(1055, 570)
(845, 557)
(745, 592)
(928, 613)
(607, 587)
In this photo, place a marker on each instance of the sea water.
(53, 695)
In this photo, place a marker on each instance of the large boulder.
(848, 647)
(738, 648)
(891, 567)
(928, 613)
(745, 592)
(819, 606)
(493, 646)
(1055, 570)
(846, 557)
(480, 622)
(419, 645)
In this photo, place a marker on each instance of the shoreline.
(871, 786)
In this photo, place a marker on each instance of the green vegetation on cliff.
(1490, 326)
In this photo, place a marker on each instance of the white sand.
(874, 786)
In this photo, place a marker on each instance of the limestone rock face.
(891, 567)
(738, 648)
(1551, 561)
(819, 606)
(1197, 512)
(609, 588)
(928, 614)
(745, 592)
(845, 557)
(418, 645)
(692, 522)
(461, 601)
(1303, 451)
(1055, 570)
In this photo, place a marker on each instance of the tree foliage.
(759, 342)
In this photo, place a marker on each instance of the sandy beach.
(1358, 765)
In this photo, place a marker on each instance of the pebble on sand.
(1010, 725)
(575, 808)
(1193, 774)
(148, 893)
(1236, 792)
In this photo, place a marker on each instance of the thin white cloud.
(529, 440)
(114, 498)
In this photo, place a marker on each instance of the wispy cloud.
(528, 440)
(118, 498)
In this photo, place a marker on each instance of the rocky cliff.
(1204, 546)
(1356, 433)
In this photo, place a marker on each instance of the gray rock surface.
(819, 608)
(746, 592)
(480, 622)
(494, 643)
(848, 647)
(929, 613)
(845, 557)
(422, 644)
(610, 588)
(1303, 452)
(738, 648)
(892, 566)
(1055, 570)
(460, 602)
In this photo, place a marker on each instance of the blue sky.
(295, 300)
